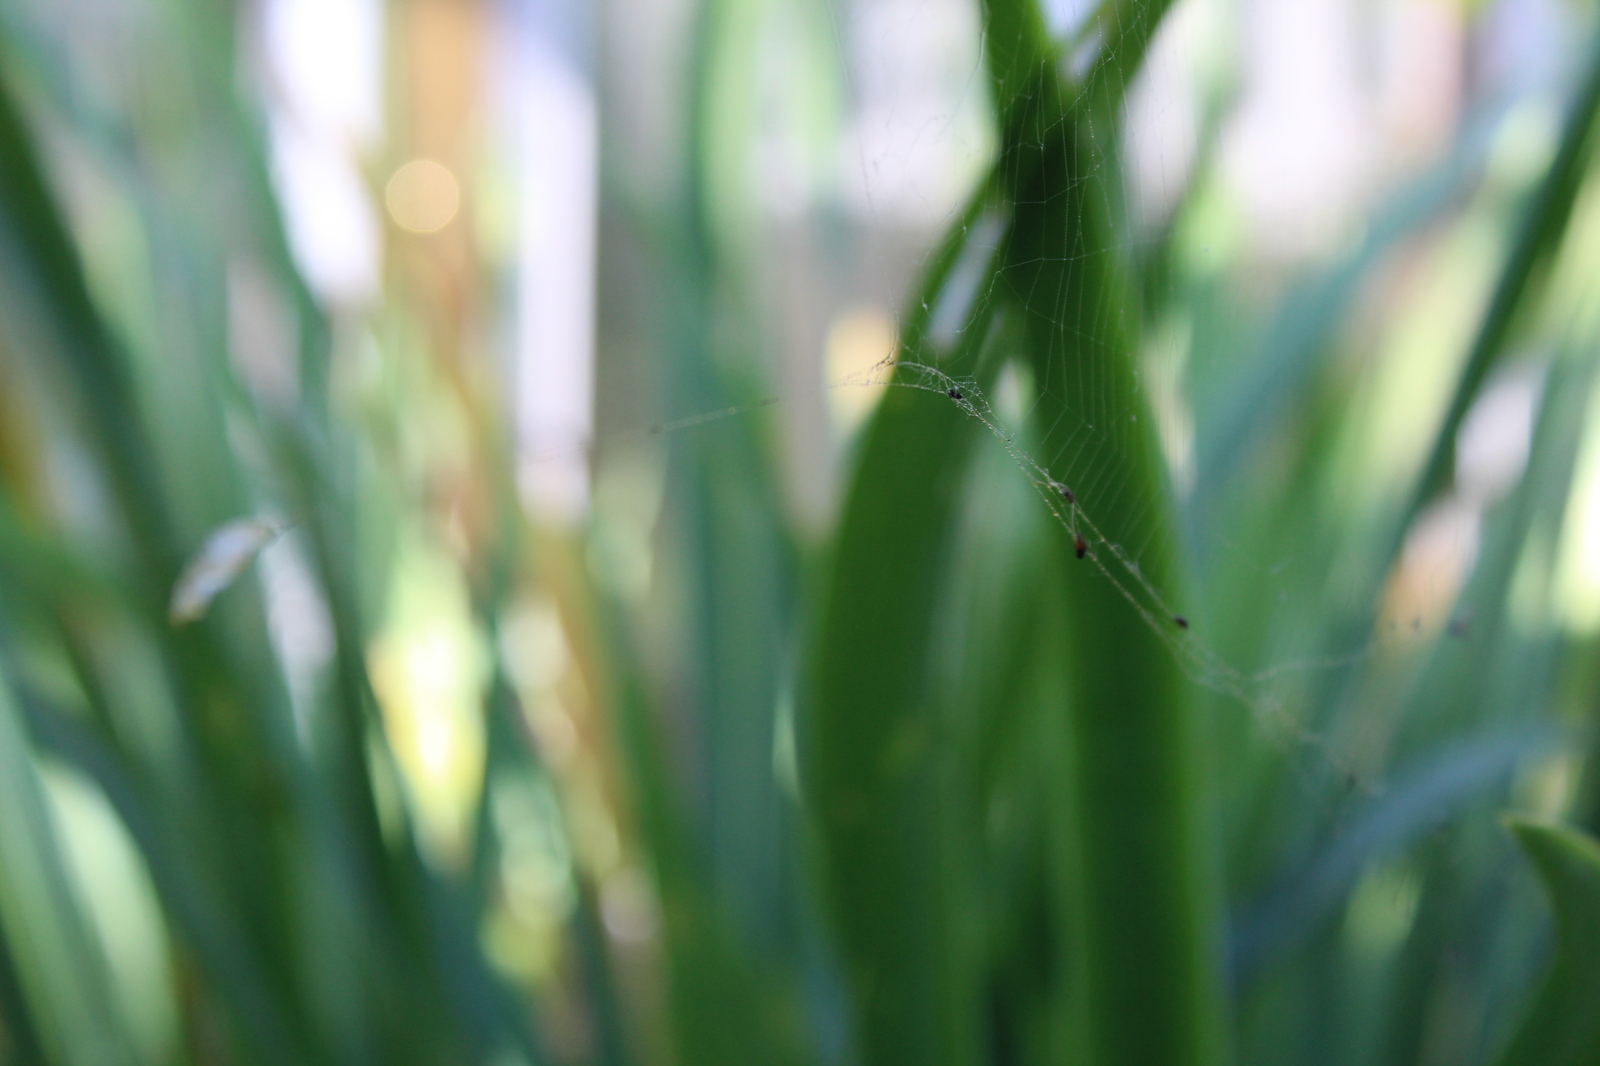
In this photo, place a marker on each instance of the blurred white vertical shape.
(1163, 108)
(1063, 18)
(553, 105)
(261, 332)
(1298, 149)
(920, 131)
(298, 623)
(1575, 588)
(1492, 444)
(1420, 77)
(325, 106)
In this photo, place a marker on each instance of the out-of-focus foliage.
(1135, 670)
(1559, 1026)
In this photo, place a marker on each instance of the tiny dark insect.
(954, 394)
(1078, 543)
(1066, 494)
(1180, 621)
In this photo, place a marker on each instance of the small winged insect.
(1180, 621)
(1066, 494)
(954, 393)
(1079, 544)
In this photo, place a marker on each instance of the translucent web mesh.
(1117, 563)
(1085, 348)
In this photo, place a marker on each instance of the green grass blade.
(1535, 244)
(1145, 901)
(1563, 1028)
(867, 741)
(201, 921)
(1146, 934)
(1236, 408)
(34, 237)
(59, 963)
(1423, 798)
(726, 1005)
(21, 1034)
(1494, 672)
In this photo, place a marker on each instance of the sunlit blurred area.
(498, 371)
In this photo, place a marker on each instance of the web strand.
(1083, 448)
(1194, 656)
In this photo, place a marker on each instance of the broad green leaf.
(198, 914)
(1144, 933)
(1145, 899)
(867, 734)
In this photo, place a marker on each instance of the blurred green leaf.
(1144, 897)
(58, 961)
(1534, 244)
(1241, 404)
(1562, 1026)
(867, 736)
(201, 920)
(1421, 798)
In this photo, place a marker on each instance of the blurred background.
(424, 430)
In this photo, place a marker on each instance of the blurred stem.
(513, 748)
(1585, 811)
(21, 1041)
(29, 219)
(717, 1000)
(1422, 959)
(594, 960)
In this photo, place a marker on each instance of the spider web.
(1073, 464)
(1075, 460)
(1119, 566)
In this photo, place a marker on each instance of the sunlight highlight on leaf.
(230, 548)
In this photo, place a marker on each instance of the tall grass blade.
(868, 740)
(1562, 1028)
(1533, 246)
(58, 962)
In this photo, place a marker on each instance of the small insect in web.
(1119, 566)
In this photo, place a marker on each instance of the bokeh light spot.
(860, 345)
(423, 196)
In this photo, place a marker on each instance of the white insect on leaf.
(230, 548)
